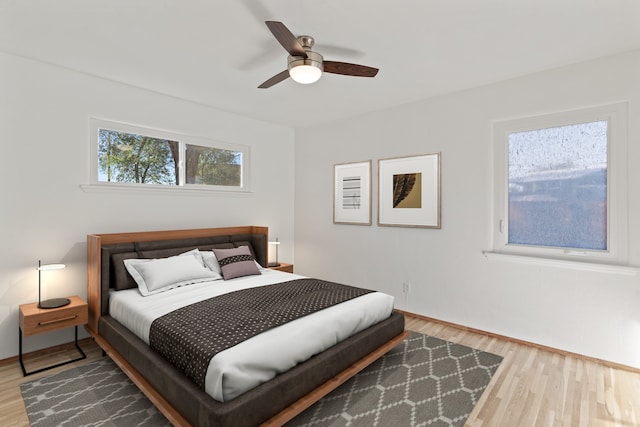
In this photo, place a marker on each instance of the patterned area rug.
(422, 381)
(96, 394)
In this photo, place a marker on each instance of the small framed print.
(409, 191)
(352, 193)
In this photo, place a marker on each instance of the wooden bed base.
(298, 407)
(281, 418)
(94, 244)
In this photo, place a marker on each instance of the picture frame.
(352, 193)
(409, 191)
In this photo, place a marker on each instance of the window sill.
(156, 189)
(563, 263)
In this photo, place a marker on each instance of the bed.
(272, 402)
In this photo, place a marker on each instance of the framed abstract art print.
(352, 193)
(409, 191)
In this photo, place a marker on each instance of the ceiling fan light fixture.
(306, 70)
(305, 74)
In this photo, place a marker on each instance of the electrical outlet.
(406, 288)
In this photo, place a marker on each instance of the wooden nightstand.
(34, 320)
(287, 268)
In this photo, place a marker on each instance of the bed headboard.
(103, 249)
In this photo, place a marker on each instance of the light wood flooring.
(532, 387)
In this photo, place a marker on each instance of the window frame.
(617, 223)
(96, 124)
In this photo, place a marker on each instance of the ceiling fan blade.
(347, 69)
(286, 38)
(275, 80)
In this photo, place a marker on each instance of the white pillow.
(210, 261)
(159, 275)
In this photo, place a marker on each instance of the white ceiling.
(217, 52)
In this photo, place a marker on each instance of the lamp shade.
(50, 303)
(49, 267)
(270, 262)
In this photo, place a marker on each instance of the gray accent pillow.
(236, 262)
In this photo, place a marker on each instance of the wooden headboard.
(95, 243)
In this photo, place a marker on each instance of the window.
(560, 187)
(127, 155)
(134, 158)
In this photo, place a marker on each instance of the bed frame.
(270, 404)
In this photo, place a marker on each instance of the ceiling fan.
(306, 66)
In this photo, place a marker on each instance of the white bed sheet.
(254, 361)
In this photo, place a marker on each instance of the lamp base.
(54, 303)
(273, 264)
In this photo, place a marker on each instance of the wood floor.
(532, 387)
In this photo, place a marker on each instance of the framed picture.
(409, 191)
(352, 193)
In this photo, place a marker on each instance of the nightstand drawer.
(34, 320)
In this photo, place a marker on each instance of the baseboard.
(523, 342)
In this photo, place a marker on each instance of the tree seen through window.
(133, 158)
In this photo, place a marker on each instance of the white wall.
(44, 214)
(594, 314)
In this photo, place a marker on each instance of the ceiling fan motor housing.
(313, 59)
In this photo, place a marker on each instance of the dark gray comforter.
(191, 336)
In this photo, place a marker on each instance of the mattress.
(257, 360)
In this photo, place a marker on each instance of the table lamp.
(50, 303)
(276, 263)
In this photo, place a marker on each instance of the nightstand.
(287, 268)
(34, 320)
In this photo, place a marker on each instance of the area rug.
(422, 381)
(95, 394)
